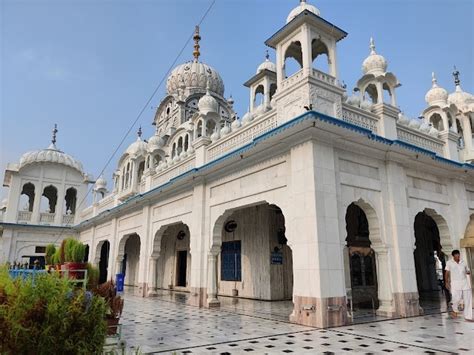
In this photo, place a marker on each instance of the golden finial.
(196, 38)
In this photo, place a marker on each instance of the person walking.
(458, 282)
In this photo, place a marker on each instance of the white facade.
(258, 207)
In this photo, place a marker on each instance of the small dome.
(195, 75)
(300, 8)
(100, 183)
(155, 142)
(267, 64)
(436, 95)
(424, 127)
(433, 131)
(236, 124)
(414, 123)
(460, 98)
(374, 63)
(215, 136)
(138, 147)
(402, 119)
(248, 117)
(225, 130)
(50, 155)
(354, 100)
(207, 104)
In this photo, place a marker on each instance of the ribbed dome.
(460, 98)
(436, 95)
(50, 155)
(138, 147)
(155, 142)
(195, 75)
(208, 104)
(100, 183)
(268, 65)
(374, 63)
(300, 8)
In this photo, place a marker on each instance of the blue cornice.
(34, 225)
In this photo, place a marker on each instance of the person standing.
(458, 282)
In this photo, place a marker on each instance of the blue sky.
(90, 66)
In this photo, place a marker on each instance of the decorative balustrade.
(292, 79)
(323, 77)
(360, 118)
(176, 169)
(46, 217)
(243, 136)
(420, 139)
(68, 219)
(24, 216)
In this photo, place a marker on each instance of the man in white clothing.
(458, 282)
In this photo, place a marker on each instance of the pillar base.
(407, 304)
(197, 296)
(386, 310)
(319, 312)
(212, 303)
(141, 290)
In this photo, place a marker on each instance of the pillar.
(212, 300)
(152, 290)
(386, 306)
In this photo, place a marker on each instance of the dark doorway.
(104, 262)
(430, 261)
(361, 259)
(86, 258)
(181, 268)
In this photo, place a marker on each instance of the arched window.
(186, 143)
(180, 146)
(371, 91)
(387, 94)
(71, 199)
(127, 175)
(320, 55)
(258, 96)
(173, 151)
(27, 198)
(273, 88)
(293, 59)
(210, 126)
(157, 159)
(49, 198)
(141, 169)
(461, 134)
(437, 121)
(199, 129)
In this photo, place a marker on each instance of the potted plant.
(50, 251)
(74, 252)
(114, 303)
(92, 276)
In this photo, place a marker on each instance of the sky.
(90, 66)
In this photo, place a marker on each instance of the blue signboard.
(119, 281)
(276, 258)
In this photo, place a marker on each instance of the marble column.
(212, 300)
(153, 275)
(386, 306)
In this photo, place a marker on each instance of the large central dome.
(195, 75)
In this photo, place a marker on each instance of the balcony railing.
(24, 216)
(324, 77)
(68, 219)
(420, 139)
(360, 118)
(47, 217)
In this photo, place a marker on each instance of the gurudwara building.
(325, 199)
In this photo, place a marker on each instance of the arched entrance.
(432, 250)
(129, 258)
(173, 259)
(251, 259)
(103, 262)
(468, 243)
(361, 261)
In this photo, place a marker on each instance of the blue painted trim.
(317, 116)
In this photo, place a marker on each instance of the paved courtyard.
(167, 325)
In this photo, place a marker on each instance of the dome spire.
(456, 73)
(372, 46)
(433, 79)
(267, 56)
(55, 130)
(139, 133)
(196, 38)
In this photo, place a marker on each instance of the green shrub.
(92, 276)
(69, 246)
(56, 259)
(50, 250)
(78, 252)
(47, 315)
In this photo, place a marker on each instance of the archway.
(27, 197)
(104, 252)
(129, 258)
(361, 260)
(49, 199)
(254, 260)
(432, 250)
(320, 56)
(70, 201)
(293, 60)
(173, 266)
